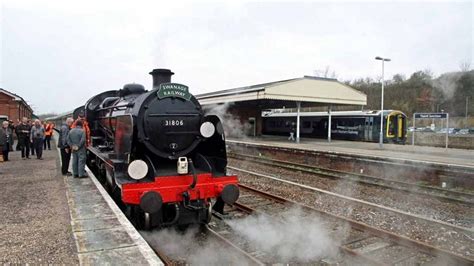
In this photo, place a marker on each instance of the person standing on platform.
(3, 142)
(32, 148)
(48, 132)
(6, 138)
(18, 146)
(12, 129)
(23, 133)
(85, 126)
(64, 147)
(76, 139)
(292, 132)
(37, 138)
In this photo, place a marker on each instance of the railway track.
(363, 202)
(463, 235)
(364, 245)
(371, 244)
(220, 244)
(436, 192)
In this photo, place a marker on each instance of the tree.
(398, 78)
(465, 66)
(325, 73)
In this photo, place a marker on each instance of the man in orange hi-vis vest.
(48, 133)
(85, 127)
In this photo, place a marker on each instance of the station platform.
(46, 218)
(416, 154)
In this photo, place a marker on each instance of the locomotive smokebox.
(160, 75)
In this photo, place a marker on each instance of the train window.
(306, 124)
(392, 125)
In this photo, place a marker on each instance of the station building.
(13, 106)
(246, 104)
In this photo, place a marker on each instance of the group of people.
(74, 137)
(32, 137)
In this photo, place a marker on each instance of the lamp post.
(381, 104)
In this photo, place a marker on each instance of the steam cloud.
(295, 239)
(233, 127)
(190, 247)
(447, 84)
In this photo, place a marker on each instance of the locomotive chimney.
(160, 75)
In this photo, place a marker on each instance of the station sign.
(430, 115)
(173, 90)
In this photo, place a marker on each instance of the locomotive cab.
(395, 127)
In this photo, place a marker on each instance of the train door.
(392, 127)
(401, 128)
(371, 125)
(366, 129)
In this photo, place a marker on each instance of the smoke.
(447, 84)
(192, 247)
(294, 238)
(233, 126)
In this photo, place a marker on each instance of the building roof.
(306, 90)
(16, 98)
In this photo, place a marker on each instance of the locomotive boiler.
(158, 154)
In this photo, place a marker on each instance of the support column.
(329, 122)
(447, 130)
(298, 107)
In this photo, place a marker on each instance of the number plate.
(173, 122)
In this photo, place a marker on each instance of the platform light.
(381, 105)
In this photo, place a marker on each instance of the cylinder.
(160, 75)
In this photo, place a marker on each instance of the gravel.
(436, 235)
(34, 216)
(427, 206)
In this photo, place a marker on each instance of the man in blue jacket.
(76, 139)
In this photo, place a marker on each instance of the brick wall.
(13, 109)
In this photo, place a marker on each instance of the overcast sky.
(56, 56)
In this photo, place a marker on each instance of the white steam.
(192, 248)
(233, 126)
(447, 83)
(295, 238)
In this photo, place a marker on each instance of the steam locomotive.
(158, 154)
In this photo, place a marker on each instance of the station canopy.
(308, 90)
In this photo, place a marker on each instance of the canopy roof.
(310, 91)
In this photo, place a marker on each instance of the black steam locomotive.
(158, 154)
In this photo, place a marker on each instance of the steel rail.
(232, 245)
(443, 194)
(347, 250)
(363, 202)
(399, 239)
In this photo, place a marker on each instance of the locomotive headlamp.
(207, 129)
(137, 169)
